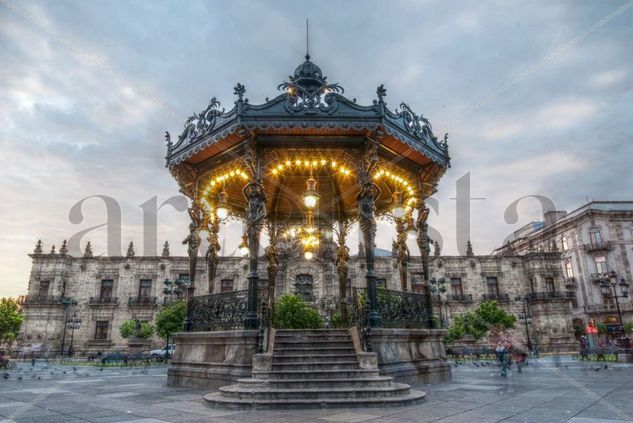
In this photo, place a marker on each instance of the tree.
(628, 327)
(292, 313)
(488, 317)
(128, 329)
(171, 319)
(10, 320)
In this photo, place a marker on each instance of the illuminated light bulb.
(287, 162)
(398, 210)
(244, 250)
(323, 162)
(308, 255)
(222, 211)
(333, 163)
(298, 162)
(274, 171)
(311, 196)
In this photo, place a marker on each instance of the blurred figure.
(584, 348)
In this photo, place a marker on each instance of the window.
(601, 264)
(456, 286)
(421, 288)
(569, 271)
(101, 330)
(145, 288)
(563, 243)
(43, 289)
(226, 285)
(596, 237)
(381, 283)
(493, 286)
(549, 285)
(106, 289)
(303, 287)
(184, 277)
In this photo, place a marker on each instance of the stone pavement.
(549, 390)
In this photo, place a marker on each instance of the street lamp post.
(436, 286)
(73, 323)
(67, 303)
(173, 289)
(526, 318)
(608, 283)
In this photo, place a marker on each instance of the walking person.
(584, 348)
(502, 357)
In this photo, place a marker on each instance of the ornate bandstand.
(304, 167)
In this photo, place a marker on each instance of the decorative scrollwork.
(223, 311)
(256, 210)
(397, 309)
(381, 92)
(417, 124)
(239, 91)
(308, 89)
(202, 122)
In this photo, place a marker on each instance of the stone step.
(319, 342)
(314, 374)
(324, 365)
(355, 382)
(314, 337)
(313, 351)
(218, 400)
(310, 332)
(313, 358)
(264, 392)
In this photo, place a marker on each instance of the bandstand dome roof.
(308, 105)
(309, 116)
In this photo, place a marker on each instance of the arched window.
(303, 287)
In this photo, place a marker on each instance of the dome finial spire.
(307, 40)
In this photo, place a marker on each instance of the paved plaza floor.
(548, 390)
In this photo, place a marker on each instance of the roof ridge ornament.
(417, 124)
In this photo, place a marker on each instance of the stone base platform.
(413, 356)
(209, 360)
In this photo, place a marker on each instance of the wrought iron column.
(367, 221)
(402, 252)
(256, 211)
(272, 256)
(423, 245)
(213, 227)
(342, 257)
(193, 244)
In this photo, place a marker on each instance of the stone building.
(105, 291)
(593, 241)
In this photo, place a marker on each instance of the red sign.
(592, 329)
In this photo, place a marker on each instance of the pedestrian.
(584, 348)
(502, 357)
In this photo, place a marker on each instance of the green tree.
(488, 317)
(171, 319)
(292, 313)
(10, 319)
(128, 329)
(628, 327)
(602, 328)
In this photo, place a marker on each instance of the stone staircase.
(313, 369)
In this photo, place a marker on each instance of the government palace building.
(549, 274)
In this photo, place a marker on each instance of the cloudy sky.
(536, 97)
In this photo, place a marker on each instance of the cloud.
(69, 130)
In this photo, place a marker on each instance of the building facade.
(103, 292)
(593, 241)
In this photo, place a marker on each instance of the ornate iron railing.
(397, 309)
(104, 301)
(495, 297)
(549, 296)
(142, 301)
(222, 311)
(460, 298)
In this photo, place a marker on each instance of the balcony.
(141, 302)
(495, 297)
(43, 300)
(460, 298)
(570, 283)
(104, 301)
(608, 308)
(550, 296)
(597, 246)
